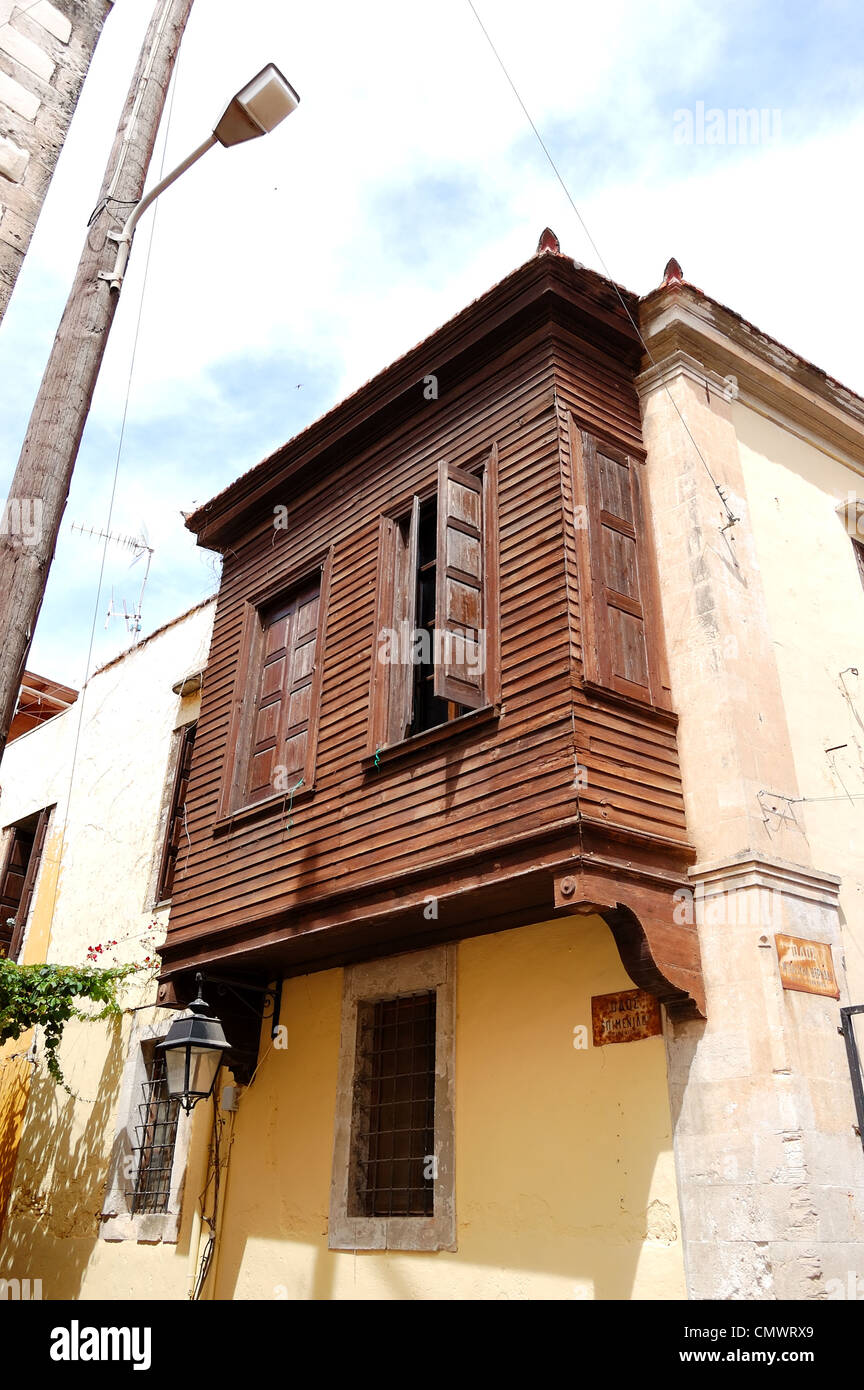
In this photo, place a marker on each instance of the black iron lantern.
(193, 1050)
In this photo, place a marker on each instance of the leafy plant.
(45, 995)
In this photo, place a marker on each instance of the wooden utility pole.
(40, 488)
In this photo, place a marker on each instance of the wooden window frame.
(31, 876)
(233, 802)
(413, 973)
(598, 674)
(391, 692)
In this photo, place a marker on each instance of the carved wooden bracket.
(659, 954)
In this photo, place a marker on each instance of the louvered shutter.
(620, 642)
(460, 579)
(275, 663)
(300, 672)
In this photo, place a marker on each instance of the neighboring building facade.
(100, 870)
(488, 828)
(764, 624)
(39, 700)
(45, 51)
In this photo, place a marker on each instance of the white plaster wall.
(105, 828)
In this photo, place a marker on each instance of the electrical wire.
(731, 518)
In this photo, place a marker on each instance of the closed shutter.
(459, 599)
(281, 722)
(621, 644)
(298, 699)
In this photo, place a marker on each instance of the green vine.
(45, 995)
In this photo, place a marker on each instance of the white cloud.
(406, 184)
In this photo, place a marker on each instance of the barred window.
(394, 1110)
(393, 1182)
(156, 1133)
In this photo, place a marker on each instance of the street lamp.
(193, 1049)
(256, 110)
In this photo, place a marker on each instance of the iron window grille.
(394, 1108)
(157, 1136)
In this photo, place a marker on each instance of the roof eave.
(589, 296)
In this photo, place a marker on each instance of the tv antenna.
(140, 547)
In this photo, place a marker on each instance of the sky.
(284, 273)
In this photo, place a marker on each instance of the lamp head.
(257, 108)
(193, 1049)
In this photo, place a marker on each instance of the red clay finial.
(672, 272)
(549, 242)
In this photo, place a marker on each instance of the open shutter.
(18, 848)
(29, 885)
(621, 646)
(459, 597)
(404, 609)
(175, 830)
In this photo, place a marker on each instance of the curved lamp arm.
(124, 240)
(256, 109)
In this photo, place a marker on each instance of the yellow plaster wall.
(815, 602)
(63, 1155)
(565, 1186)
(15, 1070)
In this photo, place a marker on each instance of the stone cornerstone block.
(13, 161)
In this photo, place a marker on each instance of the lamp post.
(193, 1049)
(47, 461)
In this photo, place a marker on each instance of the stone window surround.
(117, 1221)
(384, 979)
